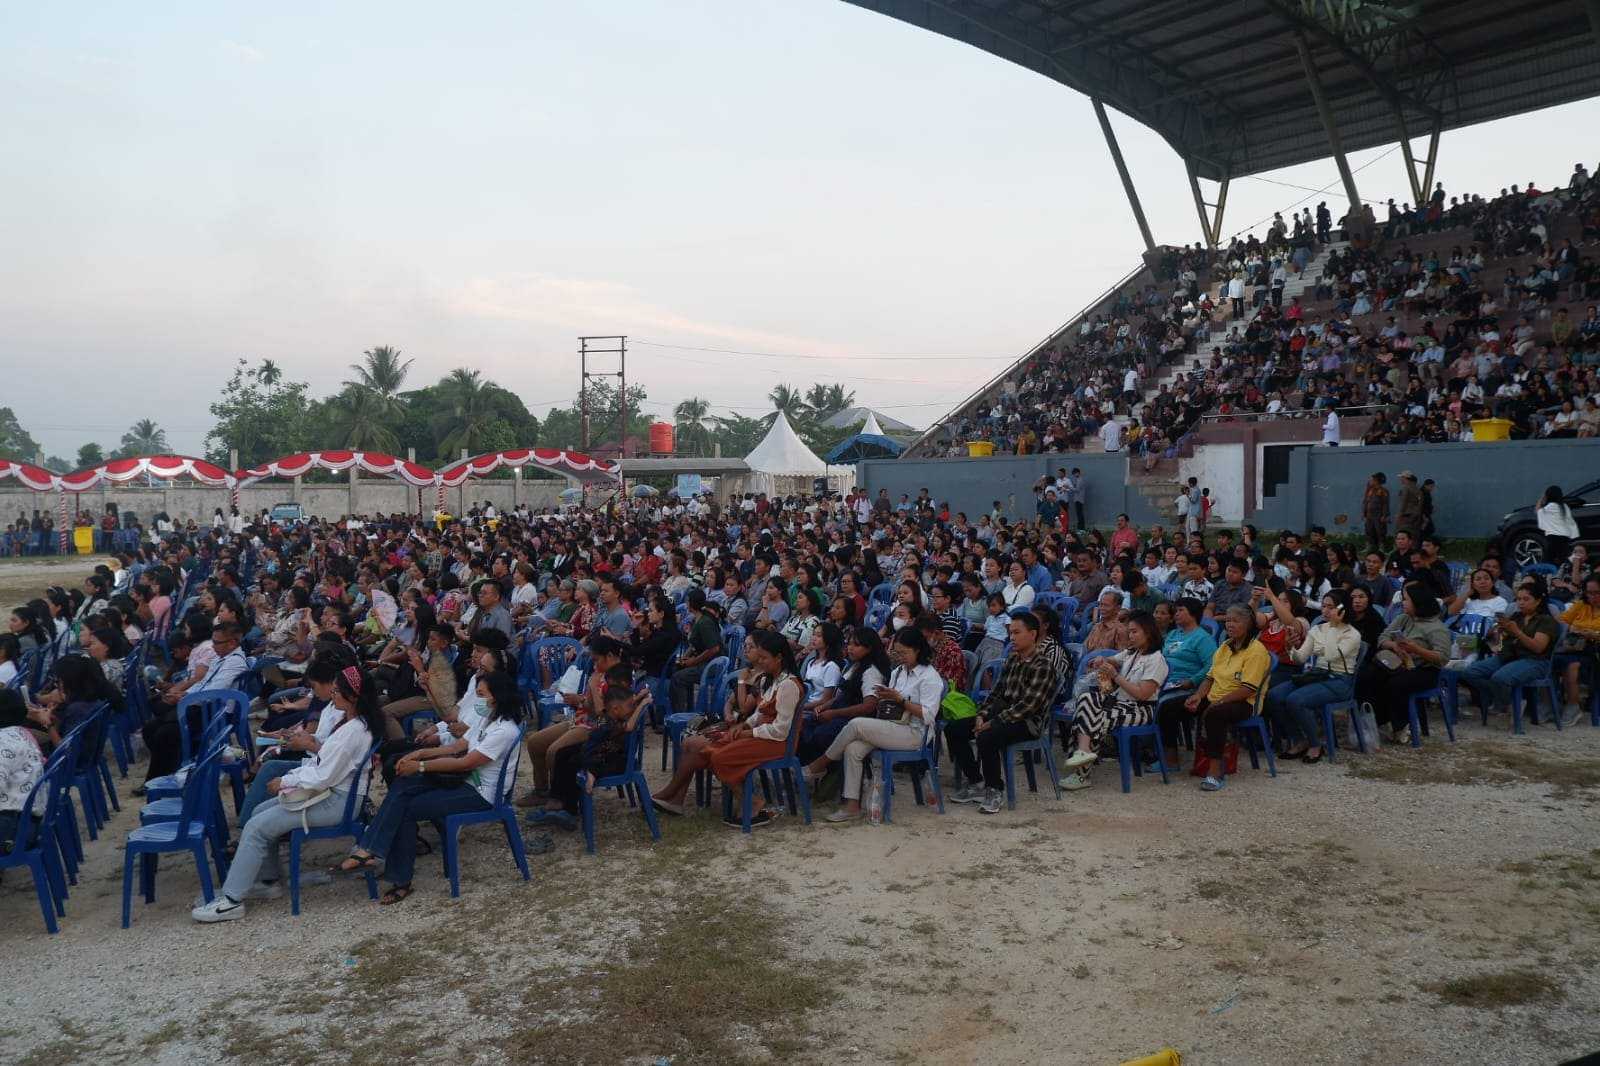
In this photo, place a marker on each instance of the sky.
(754, 191)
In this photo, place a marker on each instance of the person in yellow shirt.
(1227, 696)
(1583, 621)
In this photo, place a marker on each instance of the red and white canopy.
(574, 466)
(36, 478)
(368, 462)
(166, 467)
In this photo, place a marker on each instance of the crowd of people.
(838, 629)
(1454, 311)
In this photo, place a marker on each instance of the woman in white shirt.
(822, 668)
(1124, 695)
(419, 795)
(1017, 592)
(1480, 598)
(326, 778)
(907, 707)
(1557, 525)
(1297, 708)
(21, 765)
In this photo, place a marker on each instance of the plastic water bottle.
(875, 805)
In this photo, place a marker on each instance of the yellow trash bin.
(83, 537)
(980, 449)
(1491, 429)
(1164, 1057)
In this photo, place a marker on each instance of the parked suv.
(1519, 535)
(288, 514)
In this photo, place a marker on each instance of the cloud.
(241, 53)
(580, 304)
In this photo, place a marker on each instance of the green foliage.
(90, 455)
(15, 442)
(262, 421)
(563, 426)
(144, 437)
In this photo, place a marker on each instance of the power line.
(797, 355)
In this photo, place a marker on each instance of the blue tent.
(870, 443)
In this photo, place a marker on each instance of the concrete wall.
(184, 500)
(972, 485)
(1220, 468)
(1476, 484)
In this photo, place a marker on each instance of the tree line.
(262, 415)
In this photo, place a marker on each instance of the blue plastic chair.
(1254, 729)
(188, 832)
(1331, 740)
(630, 784)
(351, 825)
(790, 774)
(882, 593)
(169, 788)
(1044, 743)
(923, 760)
(502, 812)
(37, 846)
(711, 675)
(987, 677)
(1210, 625)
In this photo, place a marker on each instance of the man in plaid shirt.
(1015, 710)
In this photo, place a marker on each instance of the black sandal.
(423, 847)
(394, 895)
(362, 867)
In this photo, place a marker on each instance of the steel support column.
(1420, 191)
(1122, 172)
(1210, 224)
(1314, 80)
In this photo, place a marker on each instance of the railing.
(1275, 416)
(1075, 320)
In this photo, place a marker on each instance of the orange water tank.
(661, 438)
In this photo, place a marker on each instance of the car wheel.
(1526, 547)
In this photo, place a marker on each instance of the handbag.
(299, 799)
(957, 706)
(1314, 676)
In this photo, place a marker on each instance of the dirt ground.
(1433, 906)
(22, 579)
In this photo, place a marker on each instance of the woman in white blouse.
(1297, 709)
(331, 772)
(1480, 597)
(822, 668)
(907, 707)
(1017, 592)
(1560, 529)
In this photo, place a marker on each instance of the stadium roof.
(1224, 83)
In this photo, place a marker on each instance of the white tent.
(782, 453)
(782, 465)
(872, 426)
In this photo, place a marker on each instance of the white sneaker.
(1075, 782)
(1569, 714)
(221, 909)
(265, 890)
(993, 801)
(1080, 758)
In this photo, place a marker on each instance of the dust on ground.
(1431, 906)
(26, 577)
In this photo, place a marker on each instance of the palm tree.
(382, 373)
(468, 403)
(786, 399)
(269, 373)
(144, 437)
(360, 421)
(693, 417)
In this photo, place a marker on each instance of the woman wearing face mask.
(1296, 705)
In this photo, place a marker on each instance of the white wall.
(1220, 468)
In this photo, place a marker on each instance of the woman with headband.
(330, 774)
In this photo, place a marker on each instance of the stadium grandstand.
(1411, 319)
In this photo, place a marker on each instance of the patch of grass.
(153, 1041)
(1504, 988)
(703, 983)
(1480, 763)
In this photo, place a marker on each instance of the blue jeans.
(1495, 675)
(392, 835)
(1298, 711)
(268, 771)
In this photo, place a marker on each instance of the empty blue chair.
(630, 784)
(37, 846)
(188, 832)
(351, 825)
(502, 812)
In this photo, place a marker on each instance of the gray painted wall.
(972, 485)
(1476, 484)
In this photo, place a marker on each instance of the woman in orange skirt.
(742, 746)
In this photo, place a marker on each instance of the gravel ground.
(1321, 915)
(21, 579)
